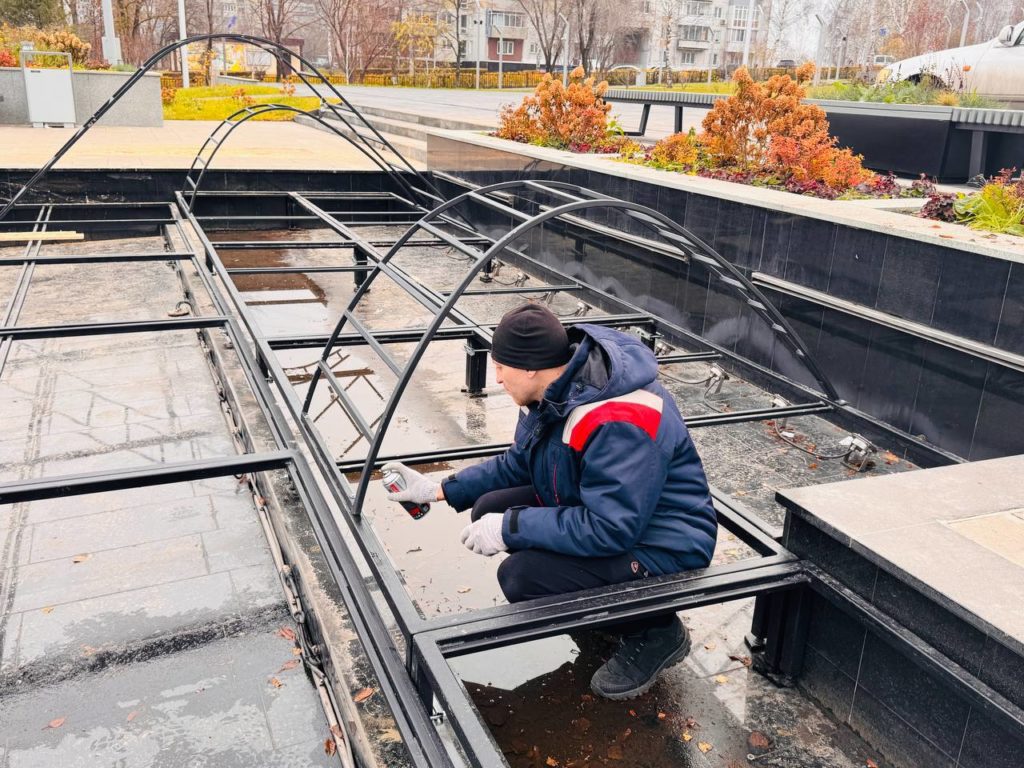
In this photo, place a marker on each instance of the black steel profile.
(141, 477)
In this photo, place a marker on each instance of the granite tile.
(898, 741)
(823, 681)
(930, 707)
(775, 243)
(1010, 334)
(948, 398)
(809, 260)
(851, 568)
(842, 350)
(1003, 669)
(892, 373)
(732, 237)
(702, 216)
(838, 638)
(910, 278)
(944, 631)
(857, 265)
(990, 745)
(1001, 404)
(970, 296)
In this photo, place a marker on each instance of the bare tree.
(450, 30)
(599, 31)
(547, 19)
(361, 32)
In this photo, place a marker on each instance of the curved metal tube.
(738, 281)
(253, 112)
(267, 45)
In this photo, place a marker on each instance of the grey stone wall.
(140, 106)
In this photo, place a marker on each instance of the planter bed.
(941, 352)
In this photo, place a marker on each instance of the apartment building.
(698, 34)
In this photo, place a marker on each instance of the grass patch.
(903, 92)
(220, 101)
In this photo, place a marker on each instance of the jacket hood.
(606, 363)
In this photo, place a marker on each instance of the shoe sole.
(672, 660)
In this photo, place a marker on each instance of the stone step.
(430, 121)
(407, 138)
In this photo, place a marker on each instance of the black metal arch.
(218, 138)
(672, 233)
(428, 194)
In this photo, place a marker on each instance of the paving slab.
(947, 530)
(257, 145)
(228, 703)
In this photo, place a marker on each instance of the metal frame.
(412, 718)
(409, 686)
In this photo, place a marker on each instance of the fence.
(452, 78)
(625, 77)
(173, 79)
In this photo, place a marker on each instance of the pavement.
(258, 145)
(139, 627)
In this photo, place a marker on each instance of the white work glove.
(484, 536)
(419, 489)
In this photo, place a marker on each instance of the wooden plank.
(21, 237)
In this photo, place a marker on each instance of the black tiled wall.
(955, 401)
(913, 718)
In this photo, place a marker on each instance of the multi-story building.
(698, 34)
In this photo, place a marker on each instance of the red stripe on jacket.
(642, 416)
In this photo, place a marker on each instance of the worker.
(602, 485)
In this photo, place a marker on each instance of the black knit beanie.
(531, 338)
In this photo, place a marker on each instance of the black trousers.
(529, 573)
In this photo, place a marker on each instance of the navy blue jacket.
(611, 460)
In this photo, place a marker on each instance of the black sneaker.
(635, 666)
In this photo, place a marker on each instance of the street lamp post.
(565, 50)
(501, 54)
(821, 48)
(184, 49)
(749, 32)
(477, 23)
(967, 20)
(111, 43)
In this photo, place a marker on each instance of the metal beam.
(101, 329)
(158, 474)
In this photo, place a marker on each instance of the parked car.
(994, 69)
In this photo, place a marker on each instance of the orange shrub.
(678, 151)
(7, 58)
(564, 117)
(765, 129)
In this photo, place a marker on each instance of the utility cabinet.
(51, 100)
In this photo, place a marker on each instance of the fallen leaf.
(721, 679)
(275, 682)
(614, 752)
(339, 735)
(704, 747)
(80, 558)
(813, 465)
(627, 734)
(131, 716)
(287, 633)
(744, 660)
(582, 723)
(691, 723)
(550, 761)
(330, 747)
(296, 651)
(661, 715)
(709, 646)
(290, 664)
(871, 763)
(948, 237)
(890, 457)
(363, 695)
(632, 713)
(48, 609)
(758, 740)
(55, 723)
(687, 735)
(463, 590)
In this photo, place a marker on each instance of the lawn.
(219, 101)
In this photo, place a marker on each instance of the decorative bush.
(167, 94)
(997, 207)
(7, 58)
(573, 117)
(66, 41)
(677, 152)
